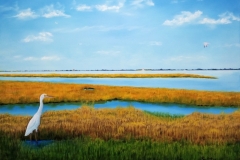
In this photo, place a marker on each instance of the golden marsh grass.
(127, 123)
(28, 92)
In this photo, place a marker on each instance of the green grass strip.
(164, 115)
(85, 149)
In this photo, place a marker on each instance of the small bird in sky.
(205, 44)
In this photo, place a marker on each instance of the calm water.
(227, 80)
(30, 109)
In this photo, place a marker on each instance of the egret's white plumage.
(35, 121)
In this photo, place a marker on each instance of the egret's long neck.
(40, 107)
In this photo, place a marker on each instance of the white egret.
(35, 121)
(205, 44)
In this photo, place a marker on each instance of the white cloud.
(184, 17)
(141, 3)
(50, 58)
(26, 14)
(155, 43)
(55, 13)
(213, 21)
(30, 59)
(47, 12)
(149, 2)
(116, 8)
(230, 15)
(225, 18)
(44, 58)
(42, 36)
(83, 8)
(50, 11)
(187, 17)
(105, 7)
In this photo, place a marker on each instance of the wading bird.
(35, 121)
(205, 44)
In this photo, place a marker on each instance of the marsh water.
(173, 109)
(226, 81)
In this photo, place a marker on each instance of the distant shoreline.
(136, 75)
(102, 70)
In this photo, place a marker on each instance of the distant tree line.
(161, 69)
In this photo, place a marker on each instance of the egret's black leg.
(30, 136)
(36, 136)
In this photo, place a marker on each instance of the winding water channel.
(226, 81)
(30, 109)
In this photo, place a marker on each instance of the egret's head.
(45, 96)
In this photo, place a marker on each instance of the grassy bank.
(175, 75)
(28, 92)
(86, 148)
(123, 133)
(129, 123)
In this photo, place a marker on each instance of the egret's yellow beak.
(49, 96)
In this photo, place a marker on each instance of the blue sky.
(119, 34)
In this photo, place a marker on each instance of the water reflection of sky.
(227, 80)
(30, 109)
